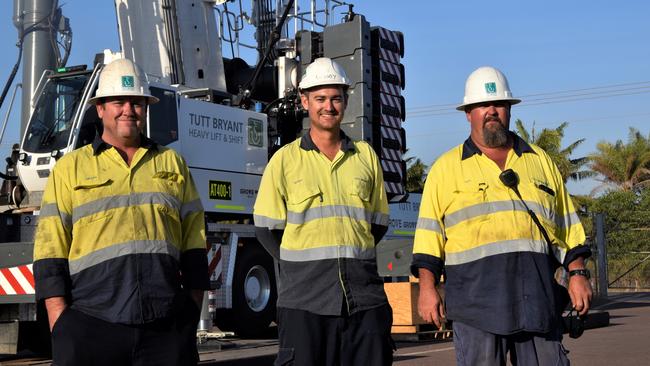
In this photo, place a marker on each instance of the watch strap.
(580, 272)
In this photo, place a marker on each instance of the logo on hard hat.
(128, 81)
(491, 88)
(326, 77)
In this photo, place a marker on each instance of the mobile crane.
(225, 117)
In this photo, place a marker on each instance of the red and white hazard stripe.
(215, 264)
(17, 280)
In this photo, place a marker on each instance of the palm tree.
(625, 166)
(416, 174)
(551, 141)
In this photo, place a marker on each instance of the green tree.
(627, 223)
(415, 175)
(551, 141)
(624, 166)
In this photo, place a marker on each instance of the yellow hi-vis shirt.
(120, 241)
(326, 209)
(498, 272)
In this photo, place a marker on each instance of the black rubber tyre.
(254, 294)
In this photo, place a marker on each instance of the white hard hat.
(122, 78)
(486, 84)
(323, 71)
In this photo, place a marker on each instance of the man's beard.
(495, 137)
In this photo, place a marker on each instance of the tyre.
(254, 294)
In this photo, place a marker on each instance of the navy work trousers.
(79, 339)
(475, 347)
(308, 339)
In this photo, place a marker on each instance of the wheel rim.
(257, 288)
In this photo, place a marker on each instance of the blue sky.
(557, 56)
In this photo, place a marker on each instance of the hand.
(581, 293)
(54, 306)
(430, 306)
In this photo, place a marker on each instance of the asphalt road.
(626, 341)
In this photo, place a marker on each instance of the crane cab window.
(163, 117)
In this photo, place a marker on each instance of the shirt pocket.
(361, 189)
(168, 182)
(95, 201)
(304, 202)
(168, 193)
(544, 199)
(469, 204)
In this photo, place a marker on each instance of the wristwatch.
(580, 272)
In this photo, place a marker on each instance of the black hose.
(8, 177)
(12, 75)
(248, 88)
(25, 32)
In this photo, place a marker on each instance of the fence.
(621, 247)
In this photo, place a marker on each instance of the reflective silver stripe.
(52, 210)
(500, 247)
(492, 207)
(105, 204)
(330, 252)
(567, 221)
(379, 218)
(191, 207)
(120, 250)
(269, 223)
(428, 224)
(356, 213)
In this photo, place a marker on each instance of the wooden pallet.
(407, 323)
(421, 332)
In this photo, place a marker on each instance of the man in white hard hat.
(497, 220)
(119, 253)
(320, 210)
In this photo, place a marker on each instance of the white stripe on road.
(423, 352)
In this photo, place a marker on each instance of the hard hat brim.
(512, 101)
(313, 85)
(150, 98)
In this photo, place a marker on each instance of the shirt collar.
(100, 145)
(306, 143)
(518, 145)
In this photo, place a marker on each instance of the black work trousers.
(79, 339)
(308, 339)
